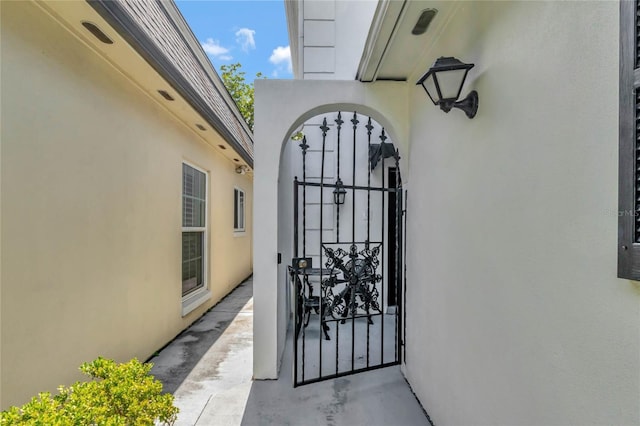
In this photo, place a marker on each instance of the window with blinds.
(194, 228)
(238, 210)
(629, 142)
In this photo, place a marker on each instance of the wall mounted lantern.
(241, 170)
(339, 193)
(443, 83)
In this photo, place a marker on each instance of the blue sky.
(253, 33)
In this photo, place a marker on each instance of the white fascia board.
(292, 11)
(189, 37)
(387, 15)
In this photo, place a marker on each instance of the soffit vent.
(426, 16)
(97, 32)
(166, 95)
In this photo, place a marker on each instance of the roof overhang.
(292, 10)
(392, 52)
(141, 60)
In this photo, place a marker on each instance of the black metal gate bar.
(324, 129)
(347, 186)
(352, 295)
(295, 283)
(357, 187)
(369, 127)
(348, 373)
(304, 147)
(339, 131)
(405, 200)
(383, 139)
(398, 200)
(339, 123)
(350, 284)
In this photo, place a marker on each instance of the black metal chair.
(307, 302)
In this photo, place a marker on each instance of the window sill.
(191, 301)
(239, 233)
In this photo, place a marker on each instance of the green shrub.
(120, 394)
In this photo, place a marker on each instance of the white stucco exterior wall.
(515, 314)
(514, 311)
(92, 211)
(296, 102)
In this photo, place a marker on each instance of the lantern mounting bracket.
(469, 104)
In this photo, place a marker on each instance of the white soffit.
(391, 51)
(122, 56)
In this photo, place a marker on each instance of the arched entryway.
(345, 270)
(281, 108)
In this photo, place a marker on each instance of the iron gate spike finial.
(369, 127)
(383, 137)
(339, 120)
(355, 120)
(304, 145)
(324, 127)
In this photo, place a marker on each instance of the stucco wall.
(91, 211)
(515, 314)
(514, 311)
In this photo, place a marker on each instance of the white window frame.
(199, 296)
(239, 230)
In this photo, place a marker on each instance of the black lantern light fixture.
(339, 193)
(443, 83)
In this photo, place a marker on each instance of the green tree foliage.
(241, 91)
(120, 395)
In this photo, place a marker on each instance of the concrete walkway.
(208, 368)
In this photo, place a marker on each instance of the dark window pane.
(241, 211)
(235, 209)
(192, 261)
(194, 190)
(238, 209)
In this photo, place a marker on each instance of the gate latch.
(301, 263)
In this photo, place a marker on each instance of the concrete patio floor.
(208, 368)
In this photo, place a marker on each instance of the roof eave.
(121, 22)
(385, 20)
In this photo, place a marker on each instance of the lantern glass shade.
(450, 83)
(339, 193)
(444, 80)
(430, 87)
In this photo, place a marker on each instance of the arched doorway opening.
(346, 269)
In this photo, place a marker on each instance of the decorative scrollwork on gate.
(356, 290)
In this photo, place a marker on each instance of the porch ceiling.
(391, 51)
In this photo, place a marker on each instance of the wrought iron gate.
(347, 264)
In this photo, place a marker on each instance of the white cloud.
(244, 37)
(213, 48)
(281, 56)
